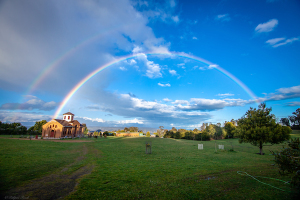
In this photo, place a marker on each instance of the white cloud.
(153, 70)
(131, 121)
(201, 68)
(92, 119)
(267, 26)
(195, 38)
(180, 102)
(164, 85)
(294, 103)
(225, 95)
(282, 94)
(167, 100)
(132, 62)
(172, 72)
(212, 66)
(290, 90)
(276, 42)
(224, 17)
(137, 49)
(210, 104)
(123, 68)
(152, 113)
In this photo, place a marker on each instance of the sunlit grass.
(176, 169)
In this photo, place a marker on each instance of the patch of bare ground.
(53, 186)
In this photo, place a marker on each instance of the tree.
(174, 130)
(195, 130)
(148, 134)
(285, 121)
(203, 127)
(295, 118)
(210, 130)
(233, 122)
(177, 135)
(229, 128)
(160, 131)
(38, 127)
(106, 133)
(258, 127)
(133, 129)
(169, 134)
(219, 132)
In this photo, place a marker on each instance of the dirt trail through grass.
(56, 185)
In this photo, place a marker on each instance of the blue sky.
(59, 43)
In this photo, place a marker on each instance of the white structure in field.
(200, 146)
(221, 146)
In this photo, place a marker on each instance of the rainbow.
(99, 69)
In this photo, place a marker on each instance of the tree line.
(292, 121)
(207, 131)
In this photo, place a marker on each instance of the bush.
(288, 161)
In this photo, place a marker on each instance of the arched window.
(50, 126)
(68, 117)
(55, 126)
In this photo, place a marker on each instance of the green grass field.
(118, 168)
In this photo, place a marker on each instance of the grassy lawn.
(176, 169)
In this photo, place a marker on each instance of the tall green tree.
(38, 127)
(229, 128)
(210, 130)
(258, 127)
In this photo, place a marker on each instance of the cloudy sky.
(170, 63)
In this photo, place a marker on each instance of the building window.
(68, 117)
(55, 126)
(64, 117)
(50, 126)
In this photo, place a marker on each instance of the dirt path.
(53, 186)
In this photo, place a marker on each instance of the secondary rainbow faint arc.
(89, 76)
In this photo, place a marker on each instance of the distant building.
(58, 128)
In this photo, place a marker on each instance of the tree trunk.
(260, 149)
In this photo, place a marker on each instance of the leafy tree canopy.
(38, 126)
(258, 127)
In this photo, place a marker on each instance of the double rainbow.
(99, 69)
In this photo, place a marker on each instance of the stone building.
(57, 128)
